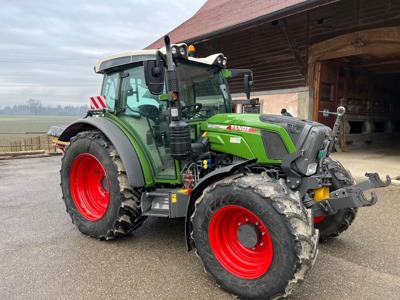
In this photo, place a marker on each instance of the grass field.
(19, 128)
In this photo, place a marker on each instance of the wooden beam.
(378, 64)
(316, 85)
(386, 71)
(377, 41)
(293, 45)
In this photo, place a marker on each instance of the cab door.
(145, 116)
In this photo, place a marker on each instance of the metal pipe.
(335, 131)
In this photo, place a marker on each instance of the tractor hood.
(252, 123)
(294, 126)
(246, 136)
(294, 133)
(240, 122)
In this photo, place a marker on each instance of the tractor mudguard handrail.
(351, 196)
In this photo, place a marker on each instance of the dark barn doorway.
(360, 71)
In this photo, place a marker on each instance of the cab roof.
(125, 58)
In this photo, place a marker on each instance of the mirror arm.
(236, 72)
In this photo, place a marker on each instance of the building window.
(326, 92)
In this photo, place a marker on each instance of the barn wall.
(263, 50)
(276, 49)
(296, 101)
(268, 47)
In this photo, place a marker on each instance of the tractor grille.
(293, 126)
(273, 144)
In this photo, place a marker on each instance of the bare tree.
(34, 105)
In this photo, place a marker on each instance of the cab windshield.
(203, 90)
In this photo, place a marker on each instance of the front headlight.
(311, 169)
(220, 60)
(182, 51)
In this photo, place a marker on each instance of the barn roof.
(217, 16)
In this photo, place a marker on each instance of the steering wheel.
(190, 110)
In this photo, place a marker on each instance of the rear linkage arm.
(351, 196)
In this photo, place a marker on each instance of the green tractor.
(257, 191)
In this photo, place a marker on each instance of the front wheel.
(333, 225)
(97, 196)
(254, 236)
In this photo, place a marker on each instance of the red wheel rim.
(319, 219)
(240, 260)
(89, 187)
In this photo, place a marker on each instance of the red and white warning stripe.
(98, 102)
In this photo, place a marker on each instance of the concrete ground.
(385, 160)
(44, 256)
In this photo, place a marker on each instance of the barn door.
(326, 92)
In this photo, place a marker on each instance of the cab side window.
(109, 89)
(135, 95)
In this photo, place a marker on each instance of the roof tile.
(216, 15)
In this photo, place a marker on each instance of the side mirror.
(154, 75)
(248, 82)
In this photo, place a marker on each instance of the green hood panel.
(246, 120)
(240, 135)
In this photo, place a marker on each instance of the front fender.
(339, 173)
(121, 142)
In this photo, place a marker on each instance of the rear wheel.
(254, 236)
(95, 188)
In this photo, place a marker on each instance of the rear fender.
(203, 184)
(121, 142)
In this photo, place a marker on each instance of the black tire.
(268, 206)
(95, 188)
(332, 226)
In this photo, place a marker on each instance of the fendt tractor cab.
(257, 191)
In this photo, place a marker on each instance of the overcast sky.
(48, 47)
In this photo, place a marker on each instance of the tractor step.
(168, 203)
(156, 203)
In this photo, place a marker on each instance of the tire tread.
(285, 203)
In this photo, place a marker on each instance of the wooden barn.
(310, 57)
